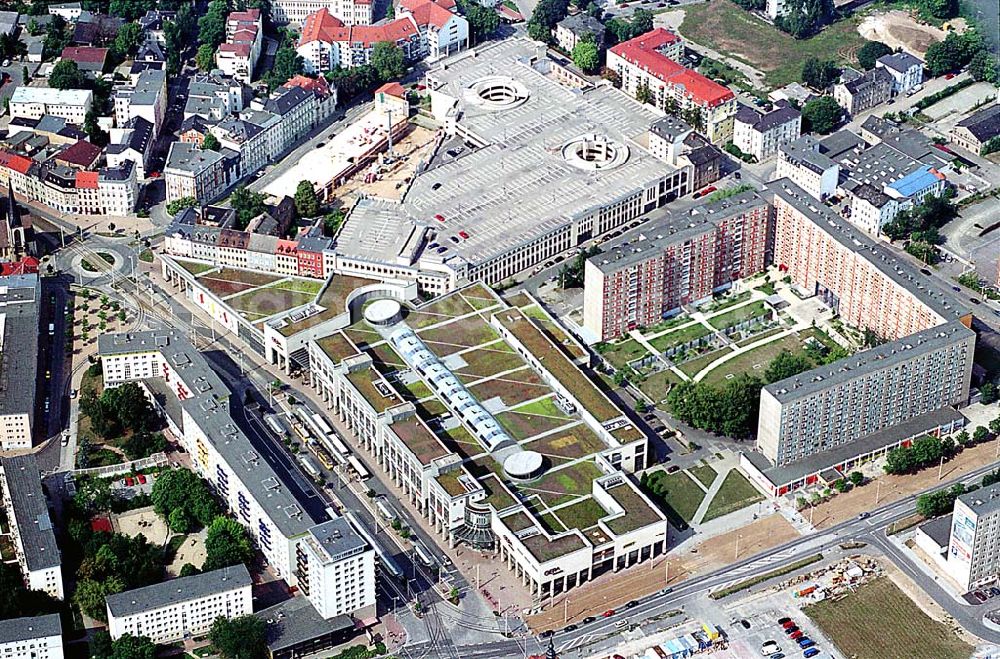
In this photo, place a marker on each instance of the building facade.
(147, 98)
(973, 132)
(33, 534)
(973, 557)
(760, 135)
(194, 172)
(33, 102)
(906, 70)
(351, 12)
(648, 67)
(643, 277)
(864, 91)
(181, 608)
(39, 637)
(20, 297)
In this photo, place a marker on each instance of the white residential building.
(69, 11)
(760, 135)
(39, 637)
(973, 557)
(442, 31)
(906, 70)
(33, 102)
(803, 163)
(146, 99)
(20, 297)
(33, 534)
(191, 171)
(290, 529)
(238, 56)
(181, 608)
(351, 12)
(134, 142)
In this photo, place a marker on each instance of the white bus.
(423, 555)
(321, 426)
(338, 446)
(309, 466)
(385, 510)
(358, 468)
(275, 425)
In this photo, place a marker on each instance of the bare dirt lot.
(847, 505)
(142, 521)
(410, 150)
(898, 29)
(192, 551)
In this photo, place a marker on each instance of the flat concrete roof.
(13, 630)
(175, 591)
(519, 186)
(31, 512)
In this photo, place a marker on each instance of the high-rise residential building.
(28, 515)
(646, 274)
(20, 296)
(39, 637)
(973, 557)
(180, 608)
(281, 515)
(648, 65)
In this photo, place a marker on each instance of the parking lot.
(763, 616)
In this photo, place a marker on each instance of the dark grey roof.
(49, 123)
(314, 243)
(27, 629)
(929, 290)
(670, 127)
(901, 61)
(295, 622)
(703, 155)
(289, 506)
(806, 152)
(194, 122)
(580, 24)
(19, 345)
(985, 124)
(747, 115)
(939, 529)
(24, 484)
(872, 195)
(983, 501)
(835, 145)
(652, 237)
(120, 172)
(239, 130)
(905, 140)
(175, 591)
(876, 76)
(817, 462)
(184, 156)
(287, 100)
(141, 135)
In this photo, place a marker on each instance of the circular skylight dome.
(382, 313)
(594, 152)
(498, 93)
(524, 465)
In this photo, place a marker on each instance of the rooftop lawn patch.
(484, 362)
(194, 267)
(422, 442)
(268, 301)
(560, 485)
(621, 353)
(519, 299)
(309, 286)
(385, 358)
(582, 514)
(522, 426)
(333, 301)
(223, 288)
(517, 522)
(637, 512)
(337, 347)
(543, 407)
(243, 277)
(545, 549)
(512, 388)
(449, 305)
(415, 390)
(465, 332)
(462, 442)
(364, 381)
(575, 442)
(735, 494)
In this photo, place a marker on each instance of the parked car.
(769, 648)
(608, 613)
(806, 642)
(548, 633)
(810, 652)
(673, 469)
(994, 591)
(141, 478)
(791, 630)
(128, 482)
(632, 604)
(589, 619)
(788, 623)
(980, 595)
(783, 621)
(795, 636)
(569, 628)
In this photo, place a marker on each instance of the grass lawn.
(542, 406)
(300, 285)
(522, 426)
(561, 485)
(194, 267)
(704, 473)
(679, 337)
(582, 514)
(268, 301)
(755, 361)
(738, 315)
(655, 386)
(574, 442)
(620, 354)
(692, 367)
(760, 336)
(725, 302)
(680, 495)
(878, 620)
(736, 493)
(725, 27)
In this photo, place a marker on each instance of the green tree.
(994, 426)
(306, 201)
(16, 601)
(127, 40)
(332, 222)
(586, 56)
(544, 18)
(128, 646)
(856, 478)
(980, 434)
(819, 74)
(247, 204)
(388, 60)
(183, 490)
(899, 461)
(804, 17)
(142, 444)
(483, 21)
(983, 66)
(56, 38)
(287, 64)
(89, 596)
(954, 52)
(179, 521)
(205, 57)
(130, 9)
(211, 143)
(189, 570)
(786, 365)
(67, 75)
(643, 94)
(226, 543)
(239, 638)
(821, 115)
(212, 26)
(97, 135)
(869, 53)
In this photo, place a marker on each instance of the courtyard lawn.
(655, 386)
(725, 27)
(756, 360)
(738, 315)
(264, 302)
(678, 495)
(679, 337)
(620, 354)
(542, 407)
(704, 473)
(694, 366)
(878, 620)
(735, 493)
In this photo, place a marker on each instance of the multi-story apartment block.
(858, 92)
(648, 273)
(20, 297)
(214, 97)
(865, 394)
(191, 171)
(973, 132)
(442, 30)
(326, 95)
(181, 608)
(648, 64)
(575, 28)
(247, 139)
(281, 517)
(33, 534)
(350, 12)
(134, 142)
(973, 557)
(152, 25)
(337, 572)
(39, 637)
(760, 135)
(906, 70)
(33, 102)
(803, 162)
(110, 190)
(147, 98)
(237, 56)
